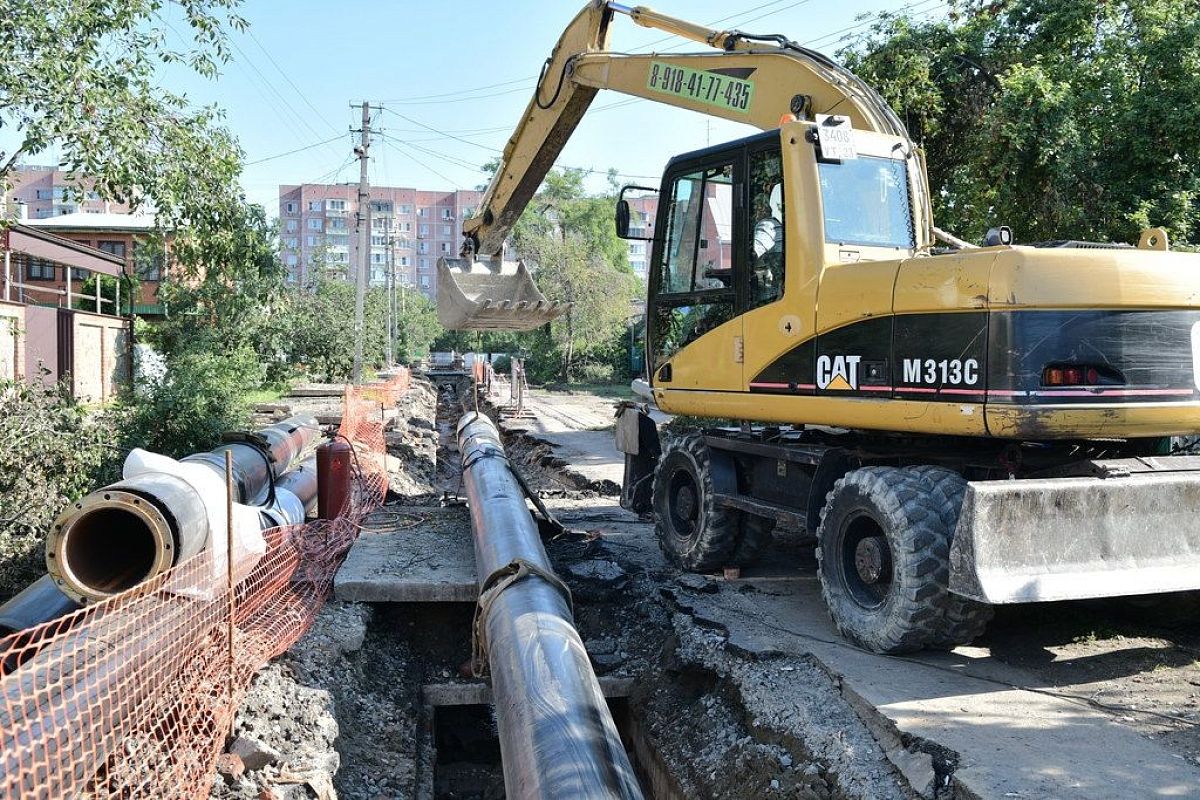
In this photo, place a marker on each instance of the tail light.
(1081, 375)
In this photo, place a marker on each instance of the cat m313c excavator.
(954, 426)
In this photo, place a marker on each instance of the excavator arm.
(758, 80)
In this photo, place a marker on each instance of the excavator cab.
(491, 296)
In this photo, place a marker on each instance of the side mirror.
(624, 214)
(623, 218)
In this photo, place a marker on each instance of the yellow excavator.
(954, 426)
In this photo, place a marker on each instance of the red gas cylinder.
(334, 462)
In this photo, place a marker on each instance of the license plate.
(836, 135)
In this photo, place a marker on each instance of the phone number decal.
(705, 87)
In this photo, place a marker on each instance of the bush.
(57, 451)
(199, 397)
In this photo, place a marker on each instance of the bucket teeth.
(482, 296)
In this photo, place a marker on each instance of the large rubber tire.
(692, 530)
(965, 619)
(888, 520)
(755, 538)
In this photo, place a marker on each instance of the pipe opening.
(108, 550)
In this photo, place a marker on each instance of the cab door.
(694, 335)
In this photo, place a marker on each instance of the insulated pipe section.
(123, 534)
(130, 531)
(262, 456)
(557, 736)
(302, 482)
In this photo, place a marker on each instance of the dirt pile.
(412, 441)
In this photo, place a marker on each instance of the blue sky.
(427, 62)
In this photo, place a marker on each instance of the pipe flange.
(106, 519)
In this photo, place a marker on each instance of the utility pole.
(391, 298)
(363, 220)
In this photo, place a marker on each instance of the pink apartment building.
(410, 229)
(47, 192)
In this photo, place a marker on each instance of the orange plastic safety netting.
(134, 696)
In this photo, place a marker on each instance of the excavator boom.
(758, 80)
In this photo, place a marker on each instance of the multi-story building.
(410, 229)
(641, 223)
(47, 192)
(119, 235)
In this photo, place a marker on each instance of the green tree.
(569, 237)
(82, 76)
(1060, 118)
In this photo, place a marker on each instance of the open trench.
(377, 701)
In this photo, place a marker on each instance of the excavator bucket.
(496, 296)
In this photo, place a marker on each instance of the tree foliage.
(1059, 118)
(82, 76)
(55, 451)
(577, 257)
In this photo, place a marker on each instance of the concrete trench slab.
(414, 555)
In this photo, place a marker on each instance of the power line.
(288, 78)
(292, 152)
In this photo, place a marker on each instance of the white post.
(7, 274)
(98, 279)
(67, 272)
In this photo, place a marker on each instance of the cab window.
(765, 243)
(695, 281)
(866, 202)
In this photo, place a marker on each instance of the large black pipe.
(557, 736)
(40, 601)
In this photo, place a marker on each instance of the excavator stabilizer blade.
(499, 296)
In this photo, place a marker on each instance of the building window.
(379, 224)
(39, 270)
(425, 281)
(78, 274)
(423, 247)
(404, 261)
(406, 227)
(421, 212)
(313, 241)
(113, 248)
(446, 230)
(291, 242)
(292, 260)
(314, 224)
(447, 213)
(379, 241)
(424, 263)
(335, 224)
(315, 205)
(335, 205)
(381, 207)
(147, 262)
(424, 230)
(289, 208)
(445, 247)
(292, 225)
(378, 258)
(405, 208)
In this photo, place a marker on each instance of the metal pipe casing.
(288, 509)
(123, 534)
(557, 735)
(302, 482)
(38, 603)
(262, 456)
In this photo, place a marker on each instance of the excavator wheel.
(692, 530)
(883, 553)
(965, 619)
